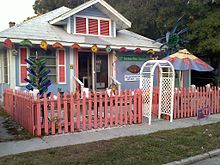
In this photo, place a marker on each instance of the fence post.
(59, 119)
(121, 104)
(90, 111)
(52, 114)
(106, 109)
(95, 110)
(66, 125)
(126, 108)
(72, 105)
(116, 108)
(100, 109)
(130, 109)
(84, 111)
(135, 106)
(139, 106)
(111, 111)
(38, 117)
(78, 111)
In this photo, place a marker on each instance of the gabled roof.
(39, 28)
(122, 22)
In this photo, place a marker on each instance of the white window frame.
(1, 67)
(28, 54)
(87, 25)
(58, 65)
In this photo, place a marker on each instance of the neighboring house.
(94, 22)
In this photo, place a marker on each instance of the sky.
(15, 11)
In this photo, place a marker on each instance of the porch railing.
(117, 83)
(77, 84)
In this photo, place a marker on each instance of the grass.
(14, 129)
(156, 148)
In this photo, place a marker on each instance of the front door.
(93, 70)
(101, 69)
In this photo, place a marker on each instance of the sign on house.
(131, 78)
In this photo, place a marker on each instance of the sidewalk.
(46, 142)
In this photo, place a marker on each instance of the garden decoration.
(138, 50)
(8, 43)
(173, 40)
(57, 45)
(152, 53)
(134, 69)
(94, 48)
(75, 46)
(113, 86)
(123, 49)
(183, 60)
(26, 42)
(38, 75)
(108, 49)
(44, 45)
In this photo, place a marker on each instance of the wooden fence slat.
(116, 108)
(84, 111)
(78, 111)
(66, 122)
(130, 107)
(59, 117)
(126, 108)
(100, 109)
(135, 107)
(72, 105)
(121, 109)
(95, 110)
(106, 109)
(38, 116)
(90, 112)
(111, 109)
(139, 106)
(52, 114)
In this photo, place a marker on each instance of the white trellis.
(166, 87)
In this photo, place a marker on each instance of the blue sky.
(15, 11)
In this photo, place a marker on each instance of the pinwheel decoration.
(26, 42)
(38, 75)
(44, 44)
(108, 49)
(94, 48)
(172, 40)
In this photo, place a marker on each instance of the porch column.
(11, 68)
(71, 71)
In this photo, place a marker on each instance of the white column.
(71, 71)
(93, 72)
(11, 68)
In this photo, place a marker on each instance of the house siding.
(92, 12)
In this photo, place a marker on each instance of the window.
(93, 26)
(61, 66)
(50, 55)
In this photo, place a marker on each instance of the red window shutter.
(62, 74)
(61, 66)
(104, 28)
(80, 25)
(23, 54)
(93, 26)
(61, 57)
(23, 73)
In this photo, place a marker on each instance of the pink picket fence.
(70, 113)
(188, 101)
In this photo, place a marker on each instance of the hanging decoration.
(44, 45)
(57, 45)
(138, 50)
(8, 43)
(26, 42)
(38, 75)
(14, 52)
(108, 49)
(153, 55)
(94, 48)
(123, 49)
(75, 46)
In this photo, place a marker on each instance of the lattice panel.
(146, 85)
(166, 95)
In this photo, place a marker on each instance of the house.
(73, 35)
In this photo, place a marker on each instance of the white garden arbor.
(166, 78)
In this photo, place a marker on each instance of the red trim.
(61, 66)
(77, 63)
(23, 54)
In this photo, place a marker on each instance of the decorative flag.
(75, 46)
(123, 49)
(108, 49)
(151, 51)
(138, 50)
(8, 43)
(57, 45)
(44, 44)
(26, 42)
(94, 48)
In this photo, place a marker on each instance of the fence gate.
(166, 87)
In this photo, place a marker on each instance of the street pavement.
(39, 143)
(210, 161)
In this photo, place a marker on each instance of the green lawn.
(156, 148)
